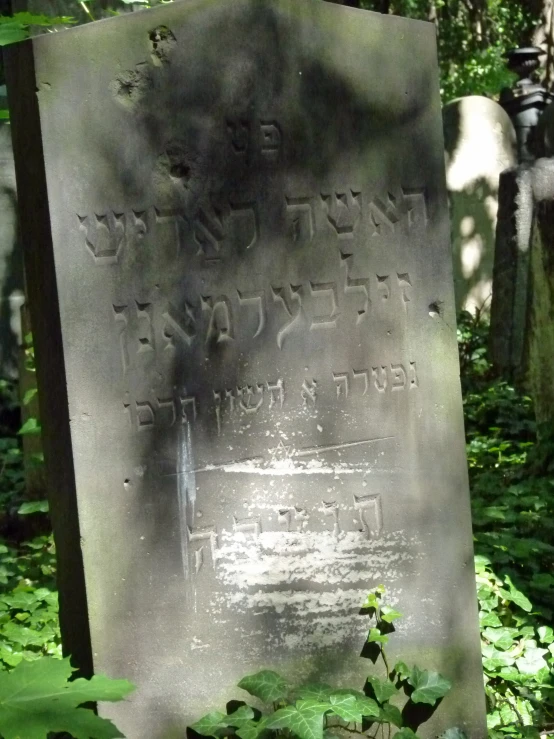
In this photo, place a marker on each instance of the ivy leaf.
(493, 659)
(532, 661)
(31, 425)
(241, 717)
(546, 634)
(32, 19)
(367, 706)
(36, 699)
(390, 714)
(429, 686)
(346, 707)
(22, 635)
(406, 734)
(489, 619)
(516, 596)
(314, 691)
(389, 614)
(306, 721)
(502, 638)
(209, 724)
(402, 670)
(12, 32)
(22, 600)
(251, 729)
(376, 636)
(383, 689)
(33, 506)
(266, 685)
(29, 395)
(372, 601)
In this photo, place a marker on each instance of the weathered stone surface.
(480, 142)
(240, 235)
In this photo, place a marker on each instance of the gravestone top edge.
(177, 7)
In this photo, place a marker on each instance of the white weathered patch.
(309, 584)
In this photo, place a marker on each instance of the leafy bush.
(29, 625)
(512, 493)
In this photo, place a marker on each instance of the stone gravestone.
(480, 143)
(241, 281)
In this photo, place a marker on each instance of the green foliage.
(37, 698)
(29, 625)
(472, 37)
(33, 506)
(17, 27)
(311, 711)
(513, 518)
(266, 685)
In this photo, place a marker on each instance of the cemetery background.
(513, 508)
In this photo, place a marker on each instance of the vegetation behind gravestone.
(512, 488)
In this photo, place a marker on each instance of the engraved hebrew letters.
(370, 513)
(145, 315)
(290, 299)
(325, 292)
(356, 286)
(343, 211)
(104, 235)
(380, 378)
(271, 139)
(383, 379)
(208, 229)
(300, 219)
(251, 525)
(417, 205)
(220, 326)
(276, 393)
(203, 544)
(255, 300)
(263, 137)
(383, 213)
(309, 392)
(120, 316)
(179, 326)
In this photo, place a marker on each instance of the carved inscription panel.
(264, 338)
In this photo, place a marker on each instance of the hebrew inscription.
(361, 514)
(154, 324)
(223, 222)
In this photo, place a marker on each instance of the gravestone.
(480, 143)
(242, 298)
(522, 336)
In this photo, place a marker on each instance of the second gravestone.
(238, 255)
